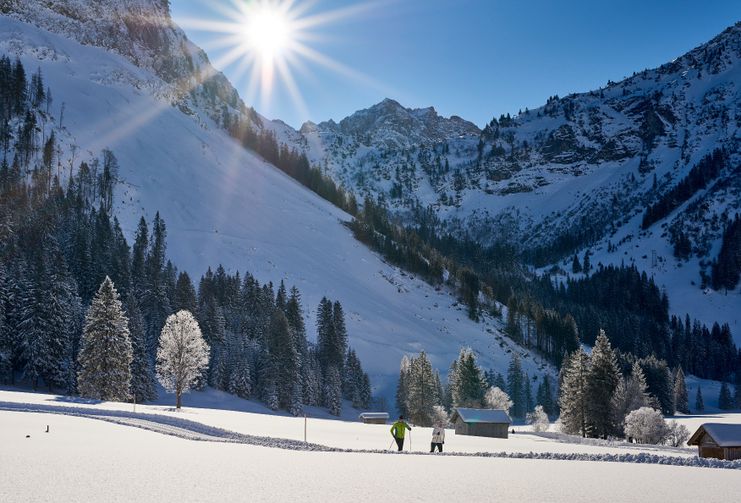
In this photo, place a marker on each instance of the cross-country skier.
(438, 438)
(398, 430)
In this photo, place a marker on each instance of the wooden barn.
(481, 422)
(717, 440)
(374, 417)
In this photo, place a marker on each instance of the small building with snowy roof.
(481, 422)
(718, 440)
(374, 417)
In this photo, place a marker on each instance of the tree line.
(705, 171)
(422, 398)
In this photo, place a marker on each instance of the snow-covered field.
(83, 459)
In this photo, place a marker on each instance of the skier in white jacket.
(438, 438)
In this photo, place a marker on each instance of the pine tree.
(725, 401)
(467, 383)
(660, 383)
(105, 356)
(182, 355)
(401, 387)
(516, 387)
(185, 294)
(6, 340)
(602, 380)
(573, 395)
(333, 391)
(529, 399)
(544, 395)
(284, 360)
(240, 378)
(325, 334)
(421, 391)
(631, 394)
(681, 400)
(699, 403)
(142, 370)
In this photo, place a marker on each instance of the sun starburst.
(269, 41)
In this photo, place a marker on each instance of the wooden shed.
(481, 422)
(374, 417)
(717, 440)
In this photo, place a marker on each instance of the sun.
(268, 32)
(269, 41)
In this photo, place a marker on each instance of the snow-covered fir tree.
(332, 391)
(422, 393)
(105, 356)
(573, 396)
(602, 380)
(182, 355)
(284, 361)
(466, 381)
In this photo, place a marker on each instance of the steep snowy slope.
(222, 204)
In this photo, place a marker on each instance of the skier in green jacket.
(398, 430)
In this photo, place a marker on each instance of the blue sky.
(472, 58)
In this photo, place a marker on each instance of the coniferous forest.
(59, 241)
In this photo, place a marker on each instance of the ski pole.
(410, 440)
(392, 443)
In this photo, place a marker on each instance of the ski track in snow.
(192, 430)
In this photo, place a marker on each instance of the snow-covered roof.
(482, 415)
(374, 415)
(725, 435)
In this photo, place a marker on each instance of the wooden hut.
(481, 422)
(717, 440)
(374, 417)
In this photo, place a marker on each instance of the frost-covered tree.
(538, 419)
(182, 355)
(646, 426)
(677, 434)
(440, 416)
(681, 400)
(699, 402)
(497, 399)
(573, 396)
(630, 394)
(105, 356)
(602, 380)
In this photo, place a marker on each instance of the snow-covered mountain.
(577, 173)
(124, 77)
